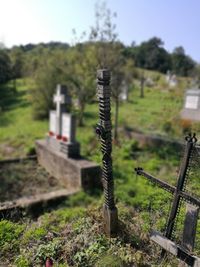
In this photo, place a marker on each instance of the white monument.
(191, 109)
(62, 125)
(124, 92)
(59, 153)
(171, 79)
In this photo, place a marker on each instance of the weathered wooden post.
(104, 132)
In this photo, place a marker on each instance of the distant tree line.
(21, 60)
(55, 62)
(153, 56)
(148, 55)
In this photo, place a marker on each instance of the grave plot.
(63, 171)
(26, 188)
(59, 153)
(24, 179)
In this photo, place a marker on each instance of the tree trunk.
(14, 85)
(142, 88)
(116, 118)
(80, 119)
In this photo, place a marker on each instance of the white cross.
(59, 99)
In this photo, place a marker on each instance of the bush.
(167, 127)
(49, 250)
(9, 236)
(186, 126)
(21, 261)
(46, 77)
(31, 151)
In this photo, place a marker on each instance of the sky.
(176, 22)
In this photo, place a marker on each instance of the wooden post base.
(110, 221)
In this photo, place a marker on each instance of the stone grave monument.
(62, 128)
(191, 110)
(171, 79)
(124, 91)
(59, 153)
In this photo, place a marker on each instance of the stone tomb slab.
(191, 110)
(191, 102)
(52, 124)
(69, 127)
(73, 173)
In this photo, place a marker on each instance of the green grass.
(73, 237)
(18, 131)
(150, 114)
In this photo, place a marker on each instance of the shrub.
(9, 236)
(30, 151)
(34, 234)
(49, 250)
(21, 261)
(46, 77)
(167, 127)
(186, 126)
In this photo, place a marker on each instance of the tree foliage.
(81, 75)
(49, 73)
(5, 67)
(76, 65)
(152, 55)
(182, 64)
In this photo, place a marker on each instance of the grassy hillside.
(56, 234)
(18, 130)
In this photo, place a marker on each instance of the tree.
(5, 67)
(109, 53)
(152, 55)
(17, 61)
(80, 74)
(49, 73)
(182, 64)
(142, 80)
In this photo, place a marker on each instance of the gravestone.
(124, 91)
(59, 153)
(149, 82)
(171, 79)
(168, 75)
(191, 110)
(62, 134)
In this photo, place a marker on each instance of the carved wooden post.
(104, 131)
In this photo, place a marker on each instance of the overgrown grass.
(74, 237)
(157, 112)
(18, 130)
(25, 179)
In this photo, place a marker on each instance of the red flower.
(65, 139)
(58, 137)
(51, 133)
(49, 262)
